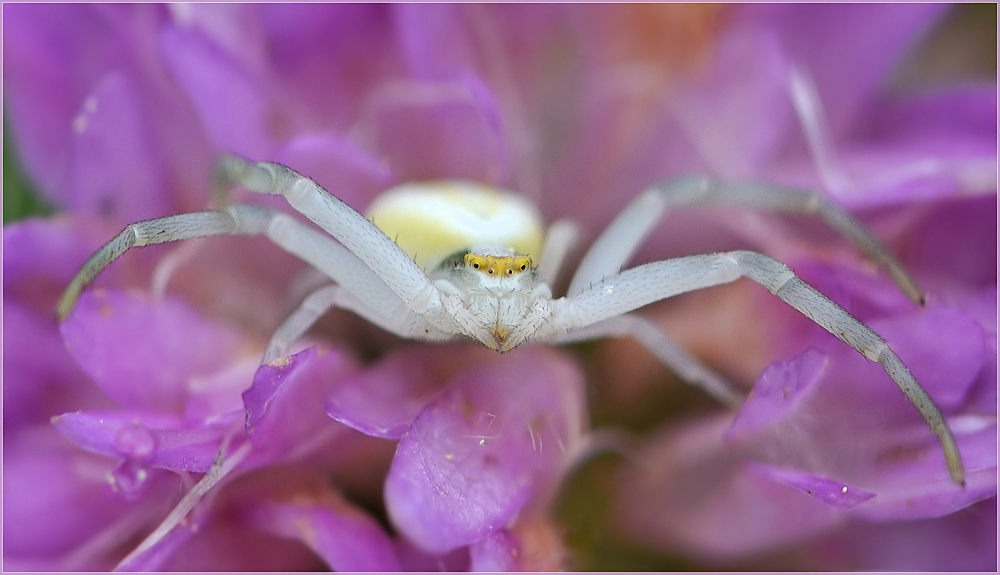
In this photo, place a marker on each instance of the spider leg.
(560, 239)
(665, 349)
(378, 252)
(319, 250)
(619, 241)
(645, 284)
(156, 231)
(401, 322)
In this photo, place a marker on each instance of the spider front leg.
(316, 249)
(238, 219)
(401, 322)
(619, 241)
(376, 250)
(643, 285)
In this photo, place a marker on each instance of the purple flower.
(360, 452)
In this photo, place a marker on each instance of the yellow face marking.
(498, 265)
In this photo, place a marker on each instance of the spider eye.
(490, 271)
(523, 267)
(510, 272)
(476, 265)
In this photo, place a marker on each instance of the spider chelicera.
(478, 246)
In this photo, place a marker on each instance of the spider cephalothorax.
(494, 295)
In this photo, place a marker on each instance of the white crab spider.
(482, 283)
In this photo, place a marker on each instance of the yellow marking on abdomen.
(433, 220)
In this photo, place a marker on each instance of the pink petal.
(531, 544)
(284, 406)
(495, 553)
(848, 49)
(144, 353)
(691, 496)
(415, 559)
(56, 501)
(833, 493)
(115, 170)
(344, 536)
(152, 438)
(776, 392)
(41, 256)
(384, 400)
(348, 172)
(216, 543)
(965, 541)
(231, 104)
(40, 378)
(455, 135)
(44, 90)
(496, 438)
(956, 240)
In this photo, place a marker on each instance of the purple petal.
(40, 378)
(326, 58)
(144, 353)
(947, 372)
(531, 544)
(893, 168)
(495, 553)
(284, 406)
(735, 137)
(433, 40)
(964, 116)
(43, 92)
(236, 28)
(220, 392)
(224, 546)
(916, 489)
(57, 501)
(776, 392)
(692, 496)
(439, 47)
(351, 174)
(383, 401)
(41, 256)
(965, 541)
(155, 557)
(847, 49)
(344, 536)
(863, 291)
(455, 134)
(943, 347)
(957, 241)
(57, 59)
(856, 427)
(833, 493)
(115, 170)
(481, 450)
(152, 438)
(231, 105)
(209, 539)
(415, 559)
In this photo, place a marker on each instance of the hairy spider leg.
(621, 293)
(619, 241)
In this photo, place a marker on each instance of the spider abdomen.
(432, 220)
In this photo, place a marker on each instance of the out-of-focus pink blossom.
(358, 452)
